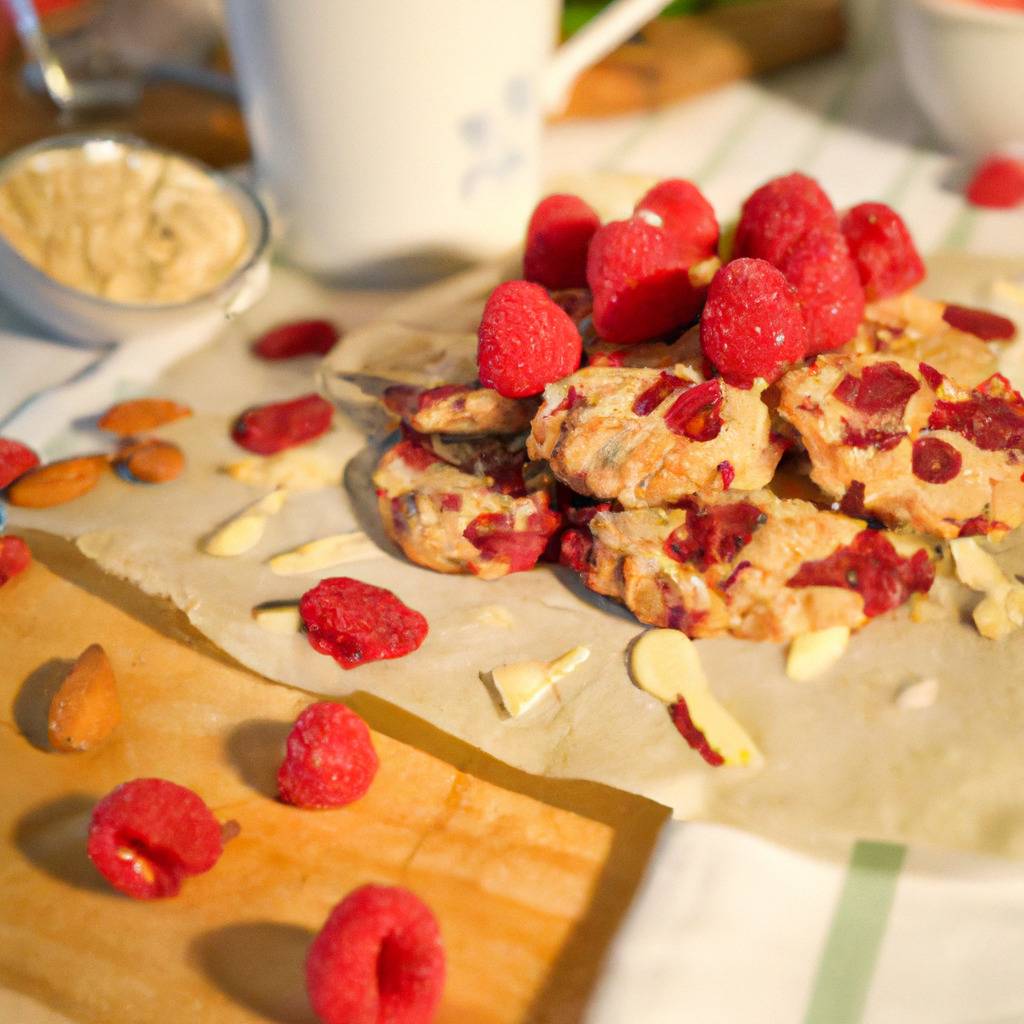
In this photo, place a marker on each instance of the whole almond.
(141, 414)
(152, 462)
(85, 710)
(57, 482)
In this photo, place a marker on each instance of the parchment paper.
(842, 759)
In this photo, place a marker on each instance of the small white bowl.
(88, 319)
(964, 62)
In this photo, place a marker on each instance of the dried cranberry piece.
(988, 422)
(15, 557)
(495, 536)
(356, 623)
(883, 440)
(696, 413)
(870, 566)
(731, 579)
(576, 545)
(881, 388)
(980, 323)
(301, 338)
(677, 614)
(266, 429)
(377, 960)
(681, 719)
(650, 398)
(935, 461)
(931, 375)
(727, 473)
(15, 458)
(431, 396)
(979, 526)
(451, 502)
(414, 454)
(852, 503)
(571, 400)
(715, 534)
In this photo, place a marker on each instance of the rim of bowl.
(971, 11)
(241, 194)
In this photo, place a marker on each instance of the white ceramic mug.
(391, 133)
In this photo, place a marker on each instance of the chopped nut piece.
(1001, 611)
(85, 710)
(298, 469)
(918, 695)
(811, 654)
(245, 530)
(665, 663)
(523, 684)
(976, 568)
(323, 553)
(278, 617)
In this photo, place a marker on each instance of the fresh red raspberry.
(828, 288)
(329, 758)
(15, 458)
(776, 215)
(881, 246)
(685, 214)
(356, 622)
(640, 282)
(998, 182)
(377, 960)
(147, 836)
(752, 325)
(525, 341)
(265, 429)
(299, 338)
(15, 557)
(557, 240)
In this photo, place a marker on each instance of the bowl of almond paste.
(109, 239)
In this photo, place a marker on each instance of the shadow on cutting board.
(635, 822)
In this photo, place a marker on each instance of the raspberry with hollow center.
(557, 241)
(266, 429)
(329, 758)
(15, 458)
(298, 338)
(778, 214)
(525, 341)
(752, 326)
(356, 622)
(147, 836)
(377, 960)
(880, 244)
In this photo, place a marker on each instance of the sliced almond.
(811, 654)
(975, 567)
(152, 462)
(57, 482)
(244, 531)
(522, 685)
(337, 549)
(85, 710)
(297, 469)
(280, 617)
(141, 414)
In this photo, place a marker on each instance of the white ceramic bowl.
(965, 65)
(88, 319)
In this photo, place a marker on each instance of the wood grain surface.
(527, 893)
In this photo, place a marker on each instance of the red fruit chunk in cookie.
(778, 214)
(15, 557)
(265, 429)
(882, 249)
(557, 240)
(640, 282)
(356, 622)
(980, 322)
(329, 758)
(525, 341)
(15, 458)
(696, 413)
(751, 325)
(998, 182)
(495, 536)
(713, 535)
(881, 388)
(377, 960)
(147, 836)
(300, 338)
(684, 214)
(935, 461)
(828, 288)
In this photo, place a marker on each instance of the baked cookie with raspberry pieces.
(645, 437)
(900, 441)
(684, 350)
(452, 521)
(750, 565)
(458, 409)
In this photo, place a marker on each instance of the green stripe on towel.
(848, 960)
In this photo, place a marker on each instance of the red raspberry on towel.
(752, 325)
(557, 241)
(881, 246)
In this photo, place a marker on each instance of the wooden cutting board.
(527, 893)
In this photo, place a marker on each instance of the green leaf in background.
(578, 12)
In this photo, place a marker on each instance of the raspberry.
(828, 288)
(686, 216)
(640, 282)
(356, 622)
(883, 250)
(329, 760)
(776, 215)
(15, 557)
(998, 182)
(557, 241)
(526, 341)
(751, 326)
(266, 429)
(15, 458)
(377, 960)
(148, 835)
(299, 338)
